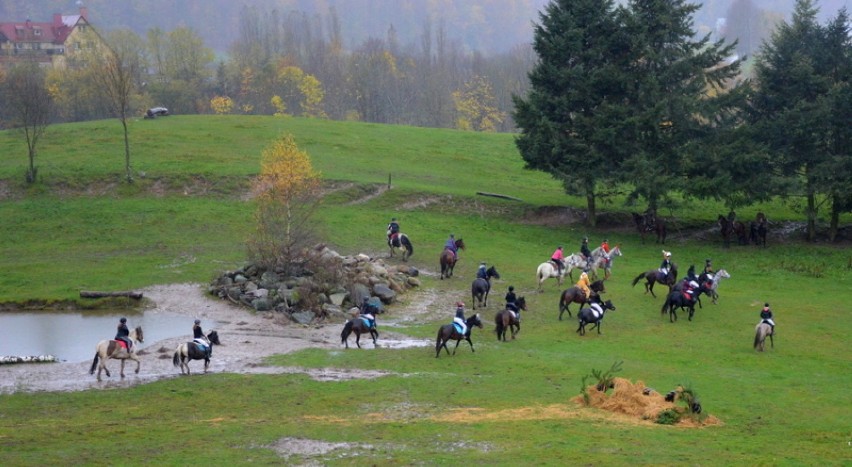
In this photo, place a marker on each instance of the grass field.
(508, 403)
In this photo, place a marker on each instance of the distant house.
(49, 44)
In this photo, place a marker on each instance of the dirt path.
(247, 338)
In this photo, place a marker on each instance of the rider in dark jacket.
(200, 338)
(393, 229)
(766, 316)
(586, 252)
(511, 299)
(481, 272)
(123, 333)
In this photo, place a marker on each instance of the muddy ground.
(247, 338)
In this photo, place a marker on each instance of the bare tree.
(29, 105)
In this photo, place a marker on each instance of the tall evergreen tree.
(571, 119)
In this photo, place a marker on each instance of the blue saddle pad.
(366, 322)
(458, 328)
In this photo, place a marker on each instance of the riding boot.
(772, 331)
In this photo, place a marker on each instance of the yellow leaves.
(477, 106)
(280, 106)
(222, 105)
(286, 173)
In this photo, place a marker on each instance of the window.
(37, 31)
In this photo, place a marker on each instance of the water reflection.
(72, 336)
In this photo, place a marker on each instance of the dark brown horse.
(359, 326)
(650, 223)
(757, 230)
(653, 276)
(729, 229)
(480, 287)
(508, 319)
(448, 259)
(449, 332)
(576, 295)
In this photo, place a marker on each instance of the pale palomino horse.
(761, 332)
(601, 260)
(547, 269)
(107, 349)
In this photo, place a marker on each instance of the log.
(497, 195)
(129, 294)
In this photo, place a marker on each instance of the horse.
(645, 224)
(449, 332)
(676, 299)
(547, 269)
(757, 230)
(728, 228)
(576, 295)
(401, 242)
(448, 259)
(761, 331)
(600, 260)
(653, 276)
(358, 325)
(480, 287)
(107, 349)
(192, 351)
(590, 316)
(714, 283)
(508, 319)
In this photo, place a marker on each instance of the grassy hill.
(509, 403)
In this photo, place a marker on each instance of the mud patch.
(288, 447)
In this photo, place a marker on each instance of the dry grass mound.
(637, 400)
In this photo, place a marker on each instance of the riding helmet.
(393, 219)
(511, 288)
(123, 320)
(460, 304)
(198, 321)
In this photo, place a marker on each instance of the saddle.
(394, 239)
(460, 328)
(596, 309)
(123, 344)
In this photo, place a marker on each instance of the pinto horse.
(592, 316)
(449, 332)
(576, 295)
(192, 351)
(401, 242)
(448, 259)
(480, 287)
(761, 332)
(107, 349)
(653, 276)
(509, 320)
(645, 224)
(359, 326)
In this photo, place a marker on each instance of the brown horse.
(359, 326)
(729, 229)
(653, 276)
(192, 351)
(448, 259)
(480, 287)
(576, 295)
(107, 349)
(449, 332)
(508, 319)
(757, 230)
(650, 223)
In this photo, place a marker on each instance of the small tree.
(288, 193)
(29, 106)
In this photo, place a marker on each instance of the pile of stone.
(6, 359)
(324, 286)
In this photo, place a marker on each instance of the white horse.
(714, 283)
(547, 269)
(107, 349)
(601, 260)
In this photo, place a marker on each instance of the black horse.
(650, 223)
(593, 316)
(576, 295)
(678, 299)
(509, 320)
(359, 326)
(757, 230)
(480, 287)
(189, 351)
(449, 332)
(653, 276)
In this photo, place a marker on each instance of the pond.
(72, 336)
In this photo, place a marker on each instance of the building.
(50, 44)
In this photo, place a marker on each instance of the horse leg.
(358, 338)
(375, 335)
(122, 367)
(467, 338)
(649, 287)
(772, 340)
(581, 329)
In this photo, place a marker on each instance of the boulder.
(303, 317)
(384, 293)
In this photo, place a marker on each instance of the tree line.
(628, 99)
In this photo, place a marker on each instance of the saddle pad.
(366, 321)
(458, 328)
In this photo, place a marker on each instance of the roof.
(55, 32)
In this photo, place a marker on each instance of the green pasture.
(507, 403)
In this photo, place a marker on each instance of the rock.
(303, 317)
(337, 299)
(249, 286)
(413, 281)
(413, 272)
(384, 293)
(261, 304)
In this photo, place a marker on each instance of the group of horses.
(113, 349)
(599, 260)
(755, 234)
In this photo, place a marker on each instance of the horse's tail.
(638, 278)
(666, 303)
(407, 244)
(498, 324)
(347, 329)
(176, 358)
(757, 337)
(94, 363)
(562, 305)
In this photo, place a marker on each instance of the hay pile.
(636, 400)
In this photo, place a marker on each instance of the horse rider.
(690, 274)
(708, 269)
(511, 301)
(732, 216)
(451, 245)
(605, 246)
(200, 339)
(766, 317)
(584, 285)
(459, 318)
(481, 272)
(368, 311)
(123, 333)
(586, 252)
(393, 230)
(690, 287)
(557, 258)
(666, 265)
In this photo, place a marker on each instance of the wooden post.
(389, 181)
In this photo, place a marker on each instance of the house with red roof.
(50, 44)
